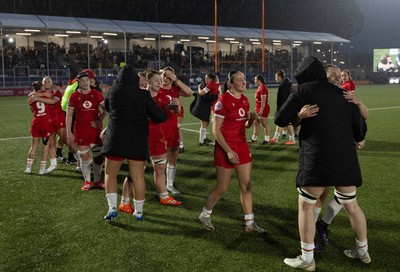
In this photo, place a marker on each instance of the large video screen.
(386, 60)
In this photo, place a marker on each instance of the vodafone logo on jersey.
(242, 112)
(87, 104)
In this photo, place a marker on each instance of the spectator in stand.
(203, 105)
(41, 128)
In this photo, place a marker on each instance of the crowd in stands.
(140, 57)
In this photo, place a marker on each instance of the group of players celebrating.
(79, 125)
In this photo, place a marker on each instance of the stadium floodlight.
(96, 37)
(185, 40)
(210, 41)
(297, 42)
(32, 30)
(167, 36)
(110, 34)
(23, 34)
(149, 39)
(234, 42)
(317, 42)
(61, 35)
(256, 43)
(73, 32)
(254, 40)
(203, 38)
(229, 39)
(276, 41)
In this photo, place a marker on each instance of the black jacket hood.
(128, 76)
(310, 69)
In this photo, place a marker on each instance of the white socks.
(331, 211)
(249, 219)
(111, 200)
(138, 206)
(316, 212)
(125, 200)
(29, 163)
(163, 195)
(86, 171)
(362, 247)
(202, 135)
(206, 213)
(307, 252)
(171, 172)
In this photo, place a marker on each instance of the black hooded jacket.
(328, 154)
(129, 109)
(283, 93)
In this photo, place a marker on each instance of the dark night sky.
(381, 27)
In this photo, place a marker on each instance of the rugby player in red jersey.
(86, 104)
(41, 128)
(172, 87)
(231, 151)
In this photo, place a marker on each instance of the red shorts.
(171, 134)
(221, 157)
(157, 142)
(59, 121)
(42, 127)
(265, 112)
(86, 135)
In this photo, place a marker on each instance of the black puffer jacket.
(129, 110)
(283, 93)
(201, 106)
(328, 154)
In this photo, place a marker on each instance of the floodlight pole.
(190, 55)
(215, 39)
(126, 47)
(88, 49)
(262, 39)
(2, 57)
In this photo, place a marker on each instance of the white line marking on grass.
(15, 138)
(189, 124)
(191, 130)
(387, 108)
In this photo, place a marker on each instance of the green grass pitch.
(48, 224)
